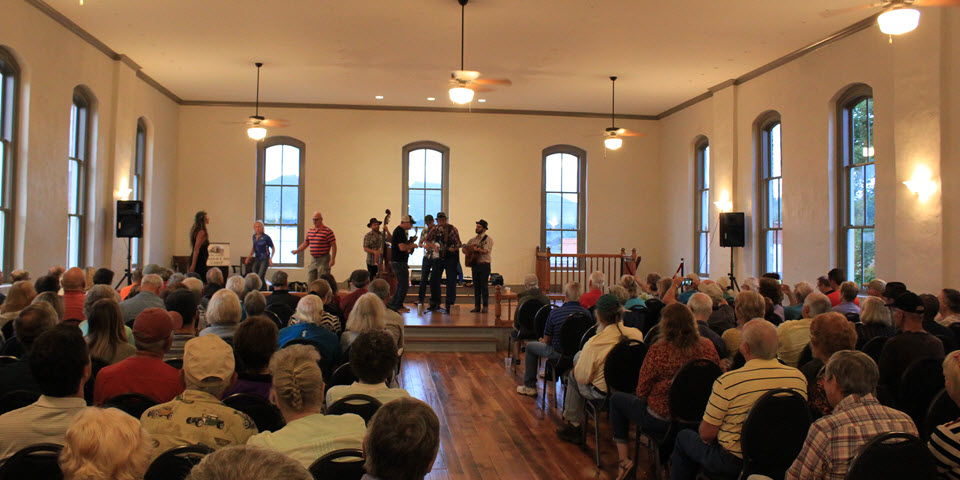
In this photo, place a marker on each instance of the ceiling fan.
(898, 16)
(464, 83)
(257, 124)
(612, 135)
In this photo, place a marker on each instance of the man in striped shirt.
(323, 248)
(717, 446)
(833, 441)
(945, 439)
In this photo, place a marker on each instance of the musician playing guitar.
(401, 248)
(445, 240)
(476, 254)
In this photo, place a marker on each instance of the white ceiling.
(558, 53)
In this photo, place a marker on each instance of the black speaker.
(129, 219)
(731, 229)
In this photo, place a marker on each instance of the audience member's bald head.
(73, 280)
(759, 340)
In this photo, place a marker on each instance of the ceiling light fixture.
(613, 143)
(482, 100)
(431, 99)
(379, 97)
(461, 95)
(256, 131)
(899, 20)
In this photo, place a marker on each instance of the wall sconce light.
(921, 184)
(123, 193)
(724, 204)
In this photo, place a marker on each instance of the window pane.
(433, 201)
(705, 211)
(870, 181)
(704, 253)
(706, 167)
(553, 169)
(82, 133)
(73, 178)
(416, 256)
(773, 248)
(856, 195)
(3, 229)
(3, 157)
(291, 165)
(569, 241)
(416, 168)
(73, 242)
(274, 233)
(135, 251)
(553, 216)
(288, 243)
(775, 151)
(72, 149)
(773, 203)
(569, 211)
(289, 205)
(271, 205)
(415, 204)
(273, 165)
(869, 257)
(433, 169)
(853, 253)
(570, 178)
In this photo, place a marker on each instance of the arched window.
(280, 174)
(9, 99)
(564, 202)
(138, 188)
(701, 201)
(80, 144)
(426, 180)
(770, 192)
(857, 243)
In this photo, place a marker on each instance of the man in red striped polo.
(323, 248)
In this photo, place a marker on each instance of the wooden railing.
(554, 270)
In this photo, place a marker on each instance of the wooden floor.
(488, 431)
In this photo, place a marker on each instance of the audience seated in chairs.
(185, 303)
(392, 319)
(770, 289)
(144, 372)
(796, 296)
(60, 364)
(549, 345)
(595, 285)
(52, 299)
(848, 299)
(630, 283)
(18, 297)
(911, 344)
(931, 308)
(830, 333)
(586, 379)
(716, 448)
(833, 441)
(305, 325)
(32, 322)
(281, 292)
(679, 343)
(701, 305)
(944, 439)
(197, 416)
(747, 306)
(95, 294)
(358, 282)
(73, 285)
(254, 303)
(248, 463)
(366, 315)
(794, 335)
(875, 321)
(149, 297)
(103, 443)
(106, 336)
(254, 343)
(214, 283)
(223, 315)
(309, 434)
(531, 291)
(402, 441)
(373, 359)
(949, 307)
(875, 288)
(332, 316)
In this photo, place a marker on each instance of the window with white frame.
(701, 200)
(563, 204)
(77, 166)
(425, 187)
(770, 193)
(280, 174)
(9, 79)
(857, 242)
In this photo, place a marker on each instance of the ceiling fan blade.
(494, 81)
(842, 11)
(632, 134)
(478, 88)
(236, 123)
(465, 75)
(937, 3)
(275, 122)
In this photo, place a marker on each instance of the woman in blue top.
(261, 253)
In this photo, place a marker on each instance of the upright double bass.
(385, 270)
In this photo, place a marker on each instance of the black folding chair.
(35, 462)
(525, 326)
(621, 371)
(636, 317)
(132, 403)
(805, 356)
(274, 318)
(343, 375)
(920, 383)
(571, 332)
(176, 463)
(541, 318)
(326, 365)
(773, 433)
(7, 359)
(587, 336)
(942, 410)
(15, 399)
(363, 405)
(175, 363)
(874, 347)
(893, 456)
(853, 317)
(265, 415)
(344, 464)
(654, 306)
(282, 311)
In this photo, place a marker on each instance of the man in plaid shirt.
(833, 441)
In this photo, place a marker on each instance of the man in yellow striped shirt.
(716, 448)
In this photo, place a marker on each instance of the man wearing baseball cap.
(481, 246)
(400, 252)
(911, 344)
(144, 372)
(197, 417)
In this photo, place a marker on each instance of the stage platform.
(457, 331)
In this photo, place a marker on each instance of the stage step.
(455, 339)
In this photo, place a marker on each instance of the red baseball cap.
(153, 325)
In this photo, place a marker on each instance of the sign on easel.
(218, 255)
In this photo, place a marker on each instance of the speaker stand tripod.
(127, 273)
(733, 279)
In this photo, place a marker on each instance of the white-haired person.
(595, 286)
(548, 346)
(103, 443)
(332, 319)
(236, 284)
(797, 295)
(391, 318)
(794, 335)
(367, 315)
(251, 282)
(248, 463)
(305, 324)
(875, 287)
(402, 441)
(750, 284)
(148, 297)
(298, 389)
(875, 321)
(373, 359)
(261, 252)
(531, 291)
(223, 315)
(945, 439)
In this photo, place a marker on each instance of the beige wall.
(353, 172)
(54, 61)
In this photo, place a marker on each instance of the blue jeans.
(425, 276)
(535, 350)
(403, 283)
(626, 408)
(690, 455)
(260, 268)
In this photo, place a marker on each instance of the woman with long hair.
(199, 241)
(106, 337)
(19, 296)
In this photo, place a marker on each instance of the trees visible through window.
(770, 193)
(78, 157)
(858, 184)
(425, 181)
(701, 202)
(9, 76)
(280, 173)
(138, 188)
(564, 200)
